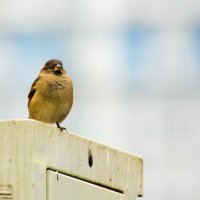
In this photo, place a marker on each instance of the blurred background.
(136, 71)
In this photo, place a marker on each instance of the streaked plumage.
(51, 96)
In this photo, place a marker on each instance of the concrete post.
(38, 162)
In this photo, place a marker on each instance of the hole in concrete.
(90, 158)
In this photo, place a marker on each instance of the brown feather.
(32, 91)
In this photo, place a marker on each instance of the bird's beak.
(57, 68)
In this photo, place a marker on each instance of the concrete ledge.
(28, 149)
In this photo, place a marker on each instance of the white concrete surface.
(38, 161)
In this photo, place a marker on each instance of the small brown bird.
(51, 96)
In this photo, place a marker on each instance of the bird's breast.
(57, 89)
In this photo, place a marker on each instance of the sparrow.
(51, 95)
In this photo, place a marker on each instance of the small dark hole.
(90, 158)
(57, 177)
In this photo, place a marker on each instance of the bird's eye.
(48, 67)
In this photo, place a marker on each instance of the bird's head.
(54, 67)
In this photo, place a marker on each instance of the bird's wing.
(33, 89)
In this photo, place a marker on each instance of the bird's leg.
(61, 128)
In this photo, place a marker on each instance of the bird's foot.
(60, 127)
